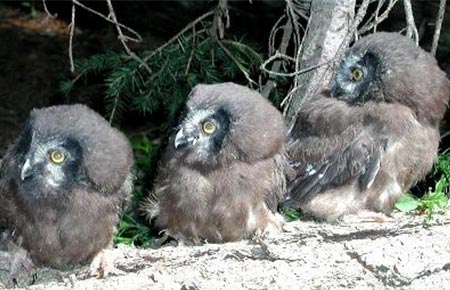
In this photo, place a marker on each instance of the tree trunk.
(329, 25)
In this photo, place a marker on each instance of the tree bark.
(329, 24)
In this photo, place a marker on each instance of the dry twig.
(270, 84)
(123, 39)
(191, 56)
(112, 19)
(233, 58)
(49, 15)
(437, 29)
(291, 35)
(377, 14)
(71, 33)
(218, 26)
(176, 36)
(135, 38)
(379, 19)
(411, 29)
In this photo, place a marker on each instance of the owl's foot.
(158, 243)
(182, 240)
(103, 264)
(189, 242)
(273, 228)
(365, 216)
(21, 270)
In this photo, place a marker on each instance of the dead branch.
(233, 58)
(123, 39)
(411, 29)
(176, 36)
(218, 26)
(49, 15)
(110, 18)
(379, 19)
(292, 74)
(377, 14)
(319, 46)
(362, 10)
(273, 33)
(437, 29)
(191, 56)
(72, 32)
(135, 38)
(270, 84)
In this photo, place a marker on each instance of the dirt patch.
(308, 255)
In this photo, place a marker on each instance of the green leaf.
(290, 214)
(407, 203)
(65, 87)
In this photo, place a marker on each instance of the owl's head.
(65, 148)
(226, 122)
(357, 78)
(389, 67)
(48, 162)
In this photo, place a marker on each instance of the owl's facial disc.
(202, 132)
(50, 164)
(356, 77)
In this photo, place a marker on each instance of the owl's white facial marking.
(41, 167)
(202, 134)
(54, 174)
(190, 131)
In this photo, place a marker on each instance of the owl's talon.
(21, 266)
(161, 241)
(102, 265)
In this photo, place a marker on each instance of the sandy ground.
(402, 254)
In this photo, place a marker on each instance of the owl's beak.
(26, 170)
(182, 139)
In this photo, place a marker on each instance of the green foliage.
(431, 203)
(442, 170)
(290, 214)
(435, 200)
(132, 229)
(194, 58)
(31, 5)
(145, 161)
(407, 203)
(133, 232)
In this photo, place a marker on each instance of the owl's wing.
(281, 170)
(125, 194)
(327, 162)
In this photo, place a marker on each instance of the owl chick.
(222, 173)
(358, 152)
(65, 181)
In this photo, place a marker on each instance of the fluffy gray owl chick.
(222, 172)
(65, 181)
(358, 152)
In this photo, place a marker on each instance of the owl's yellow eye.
(208, 127)
(57, 156)
(357, 74)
